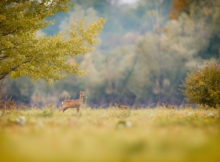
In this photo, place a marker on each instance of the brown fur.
(66, 104)
(123, 106)
(169, 106)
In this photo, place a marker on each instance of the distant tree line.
(144, 56)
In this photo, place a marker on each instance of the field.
(112, 134)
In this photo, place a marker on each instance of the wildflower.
(211, 115)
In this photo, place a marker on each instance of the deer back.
(71, 103)
(123, 106)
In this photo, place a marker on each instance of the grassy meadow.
(111, 134)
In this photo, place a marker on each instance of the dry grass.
(110, 135)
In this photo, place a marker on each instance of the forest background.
(146, 49)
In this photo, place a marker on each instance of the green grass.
(110, 135)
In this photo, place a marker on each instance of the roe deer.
(123, 106)
(73, 103)
(169, 106)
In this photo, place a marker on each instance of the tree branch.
(5, 34)
(8, 48)
(4, 74)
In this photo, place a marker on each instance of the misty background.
(143, 56)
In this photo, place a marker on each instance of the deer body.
(66, 104)
(123, 106)
(169, 106)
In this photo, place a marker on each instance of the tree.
(206, 14)
(203, 86)
(179, 6)
(23, 53)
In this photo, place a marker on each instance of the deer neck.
(81, 98)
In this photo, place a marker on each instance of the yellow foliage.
(203, 86)
(22, 53)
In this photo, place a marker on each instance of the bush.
(203, 86)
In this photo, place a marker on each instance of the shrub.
(203, 86)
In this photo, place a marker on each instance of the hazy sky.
(129, 1)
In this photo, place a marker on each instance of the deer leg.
(65, 108)
(77, 109)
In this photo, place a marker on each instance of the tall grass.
(110, 135)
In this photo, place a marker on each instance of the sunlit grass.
(110, 135)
